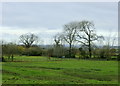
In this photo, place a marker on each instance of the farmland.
(41, 70)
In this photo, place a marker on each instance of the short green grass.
(41, 70)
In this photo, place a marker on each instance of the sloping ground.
(40, 70)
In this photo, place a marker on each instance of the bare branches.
(82, 32)
(28, 39)
(58, 38)
(70, 32)
(86, 28)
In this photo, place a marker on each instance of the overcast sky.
(45, 19)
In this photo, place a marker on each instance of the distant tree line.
(80, 33)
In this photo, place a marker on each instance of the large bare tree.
(69, 34)
(28, 39)
(86, 34)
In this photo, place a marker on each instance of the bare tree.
(58, 39)
(86, 34)
(69, 34)
(28, 39)
(109, 44)
(58, 47)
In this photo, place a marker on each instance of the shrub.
(68, 56)
(33, 51)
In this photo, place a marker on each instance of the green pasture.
(41, 70)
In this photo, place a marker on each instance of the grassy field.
(40, 70)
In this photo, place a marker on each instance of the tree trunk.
(12, 57)
(90, 54)
(70, 50)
